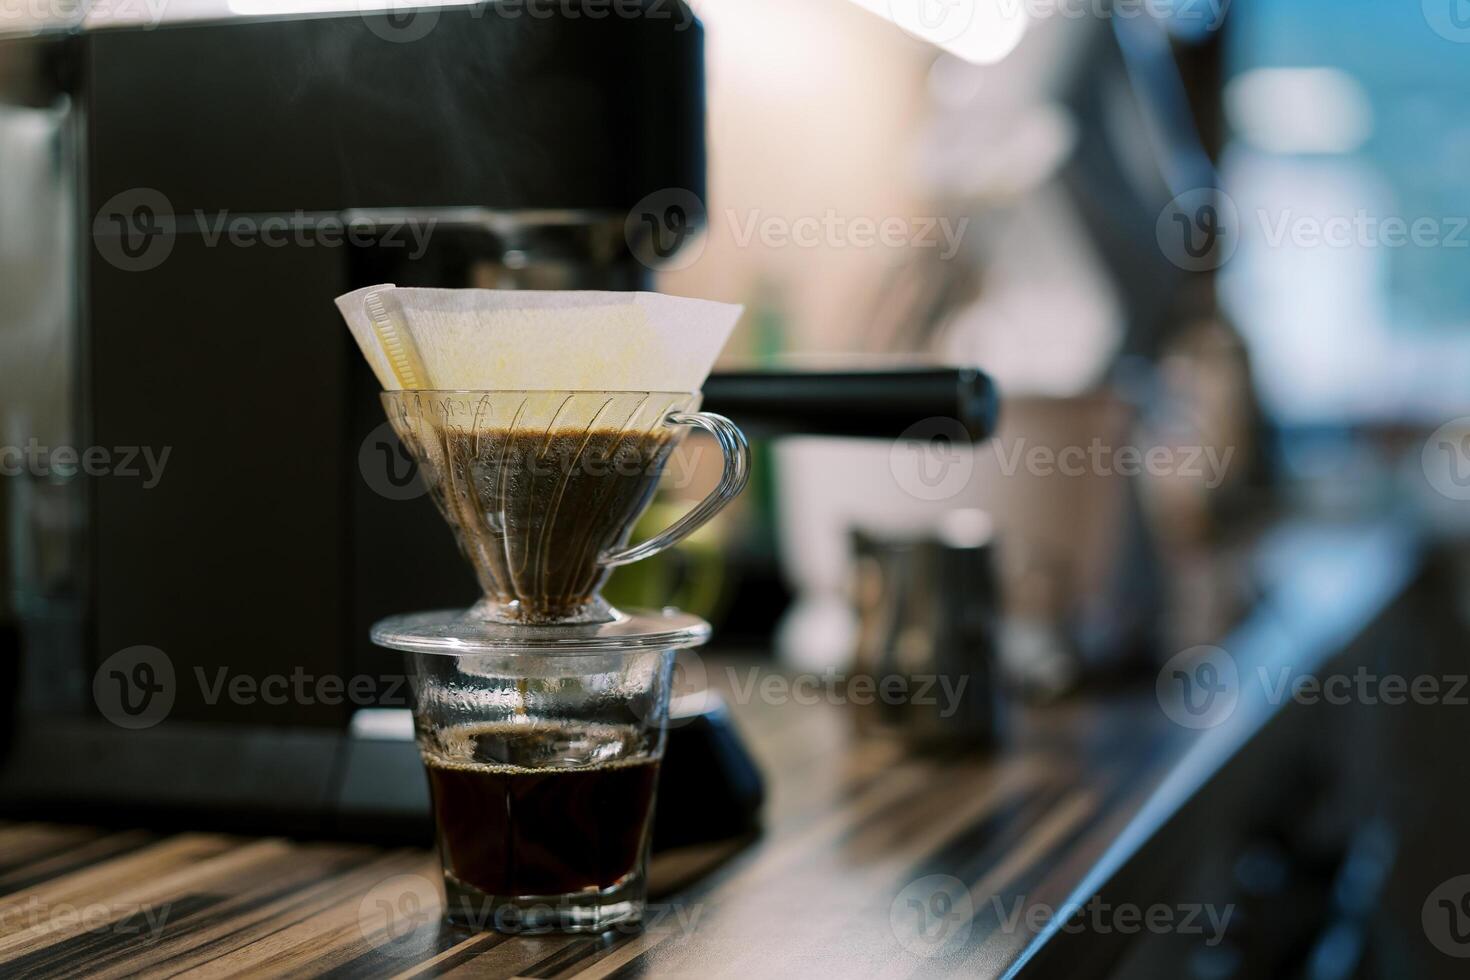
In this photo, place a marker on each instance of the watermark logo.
(1198, 687)
(1446, 917)
(1450, 19)
(936, 21)
(387, 466)
(932, 459)
(1199, 230)
(665, 230)
(1446, 459)
(932, 916)
(135, 230)
(396, 908)
(399, 21)
(134, 688)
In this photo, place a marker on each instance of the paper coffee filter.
(507, 340)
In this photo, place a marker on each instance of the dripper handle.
(737, 473)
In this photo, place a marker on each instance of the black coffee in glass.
(541, 809)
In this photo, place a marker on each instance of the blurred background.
(1123, 346)
(1321, 342)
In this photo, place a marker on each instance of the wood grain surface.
(857, 829)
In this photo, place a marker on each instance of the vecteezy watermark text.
(136, 688)
(1207, 13)
(934, 916)
(665, 230)
(934, 459)
(942, 691)
(29, 13)
(1363, 686)
(406, 21)
(1201, 687)
(64, 462)
(301, 687)
(392, 471)
(142, 922)
(833, 230)
(136, 230)
(304, 230)
(1201, 229)
(670, 10)
(1207, 463)
(395, 909)
(1102, 918)
(1363, 229)
(542, 917)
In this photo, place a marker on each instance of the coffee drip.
(540, 487)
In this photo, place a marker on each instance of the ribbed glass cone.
(537, 486)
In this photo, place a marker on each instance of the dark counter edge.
(1371, 569)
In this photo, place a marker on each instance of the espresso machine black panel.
(489, 108)
(187, 618)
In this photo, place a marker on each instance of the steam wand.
(877, 404)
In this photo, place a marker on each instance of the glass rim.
(455, 633)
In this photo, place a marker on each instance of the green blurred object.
(690, 576)
(768, 327)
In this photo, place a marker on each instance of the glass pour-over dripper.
(542, 488)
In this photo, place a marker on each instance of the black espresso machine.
(202, 510)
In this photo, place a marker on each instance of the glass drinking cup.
(543, 769)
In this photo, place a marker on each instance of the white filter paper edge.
(507, 340)
(354, 311)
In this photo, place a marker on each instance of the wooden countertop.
(841, 883)
(850, 823)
